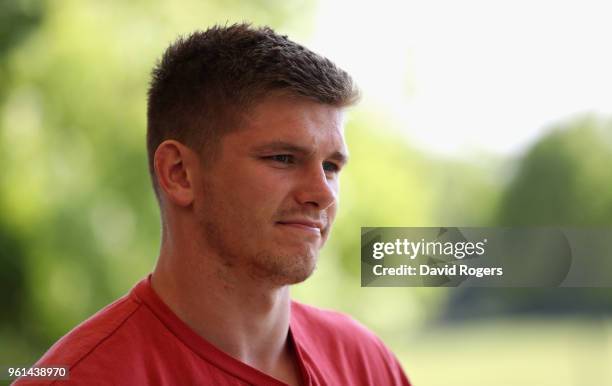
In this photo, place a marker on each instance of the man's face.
(268, 201)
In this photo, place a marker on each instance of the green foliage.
(17, 19)
(565, 179)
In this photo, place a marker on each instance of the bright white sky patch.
(466, 75)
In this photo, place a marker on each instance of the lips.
(305, 225)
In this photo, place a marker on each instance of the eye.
(281, 158)
(331, 167)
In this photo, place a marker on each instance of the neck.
(239, 315)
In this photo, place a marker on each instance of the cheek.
(331, 213)
(254, 198)
(332, 210)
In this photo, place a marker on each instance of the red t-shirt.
(138, 340)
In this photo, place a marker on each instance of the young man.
(245, 142)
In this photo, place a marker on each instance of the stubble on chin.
(271, 268)
(279, 270)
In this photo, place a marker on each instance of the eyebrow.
(338, 156)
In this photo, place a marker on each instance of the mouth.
(302, 225)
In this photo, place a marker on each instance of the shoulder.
(97, 336)
(90, 334)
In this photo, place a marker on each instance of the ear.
(175, 168)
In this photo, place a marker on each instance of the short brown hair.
(203, 83)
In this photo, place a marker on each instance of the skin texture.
(238, 232)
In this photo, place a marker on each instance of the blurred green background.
(79, 223)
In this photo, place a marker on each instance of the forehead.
(300, 121)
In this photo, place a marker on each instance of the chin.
(301, 274)
(285, 269)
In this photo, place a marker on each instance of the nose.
(315, 189)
